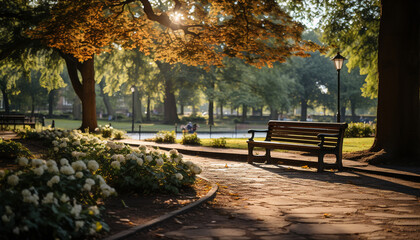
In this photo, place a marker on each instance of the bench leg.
(321, 162)
(339, 161)
(268, 155)
(250, 153)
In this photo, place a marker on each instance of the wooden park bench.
(15, 119)
(313, 137)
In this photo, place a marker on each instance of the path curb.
(131, 231)
(283, 161)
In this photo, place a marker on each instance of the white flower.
(79, 175)
(53, 180)
(49, 198)
(51, 163)
(93, 165)
(118, 157)
(188, 163)
(71, 177)
(13, 180)
(177, 159)
(56, 149)
(75, 211)
(139, 161)
(26, 193)
(179, 176)
(195, 169)
(64, 161)
(94, 209)
(55, 143)
(22, 161)
(180, 155)
(79, 225)
(67, 170)
(37, 162)
(76, 143)
(149, 158)
(2, 173)
(87, 187)
(116, 164)
(142, 148)
(64, 198)
(90, 181)
(5, 218)
(159, 162)
(39, 171)
(53, 169)
(78, 165)
(16, 230)
(9, 210)
(62, 145)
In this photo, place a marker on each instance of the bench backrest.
(305, 132)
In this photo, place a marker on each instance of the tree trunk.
(273, 113)
(105, 98)
(32, 105)
(51, 102)
(221, 111)
(244, 112)
(398, 116)
(84, 89)
(77, 109)
(343, 114)
(169, 105)
(5, 101)
(303, 110)
(148, 119)
(182, 109)
(138, 116)
(211, 117)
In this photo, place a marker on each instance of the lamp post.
(132, 112)
(338, 62)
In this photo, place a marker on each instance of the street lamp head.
(132, 89)
(338, 61)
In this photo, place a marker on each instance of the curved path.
(282, 202)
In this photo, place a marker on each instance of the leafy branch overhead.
(193, 32)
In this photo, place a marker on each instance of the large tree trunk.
(221, 111)
(303, 110)
(398, 117)
(169, 106)
(244, 112)
(51, 102)
(84, 89)
(105, 98)
(148, 119)
(138, 116)
(273, 113)
(211, 108)
(5, 100)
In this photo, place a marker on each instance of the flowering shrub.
(165, 137)
(359, 130)
(58, 198)
(190, 139)
(11, 149)
(51, 198)
(124, 168)
(218, 142)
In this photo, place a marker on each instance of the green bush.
(106, 131)
(193, 119)
(118, 134)
(10, 149)
(359, 130)
(165, 137)
(218, 142)
(190, 139)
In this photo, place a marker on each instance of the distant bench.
(312, 137)
(15, 119)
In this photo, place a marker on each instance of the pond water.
(202, 135)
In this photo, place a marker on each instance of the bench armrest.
(322, 137)
(253, 131)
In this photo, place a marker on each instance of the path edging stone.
(131, 231)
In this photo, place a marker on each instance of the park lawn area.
(350, 144)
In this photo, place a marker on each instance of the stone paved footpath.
(282, 202)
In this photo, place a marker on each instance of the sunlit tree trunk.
(105, 98)
(148, 119)
(84, 89)
(398, 117)
(169, 105)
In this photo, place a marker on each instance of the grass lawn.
(350, 144)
